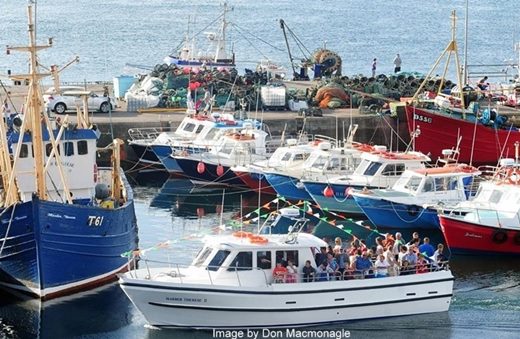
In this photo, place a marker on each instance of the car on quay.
(70, 97)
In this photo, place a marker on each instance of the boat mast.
(465, 70)
(220, 53)
(448, 51)
(34, 104)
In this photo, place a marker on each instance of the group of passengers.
(391, 256)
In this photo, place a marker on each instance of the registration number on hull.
(422, 118)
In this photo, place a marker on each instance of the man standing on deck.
(374, 67)
(397, 63)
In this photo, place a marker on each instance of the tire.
(105, 107)
(499, 237)
(60, 108)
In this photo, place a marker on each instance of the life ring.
(499, 237)
(413, 210)
(364, 147)
(242, 234)
(467, 168)
(513, 177)
(516, 238)
(258, 240)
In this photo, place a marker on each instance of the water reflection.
(102, 310)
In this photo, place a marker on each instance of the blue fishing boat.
(65, 223)
(413, 201)
(378, 169)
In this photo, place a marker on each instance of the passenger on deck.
(402, 253)
(426, 248)
(292, 272)
(422, 265)
(279, 273)
(309, 272)
(381, 265)
(399, 241)
(438, 257)
(416, 240)
(388, 241)
(333, 264)
(411, 256)
(405, 268)
(364, 266)
(323, 272)
(338, 244)
(321, 256)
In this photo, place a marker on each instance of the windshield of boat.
(319, 162)
(218, 260)
(202, 256)
(242, 262)
(367, 167)
(393, 170)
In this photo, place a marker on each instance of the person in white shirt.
(381, 266)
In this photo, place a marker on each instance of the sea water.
(486, 300)
(108, 34)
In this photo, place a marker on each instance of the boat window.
(393, 170)
(82, 147)
(413, 183)
(24, 151)
(334, 164)
(218, 259)
(226, 148)
(286, 156)
(48, 149)
(199, 129)
(428, 185)
(242, 262)
(284, 256)
(211, 134)
(372, 168)
(301, 156)
(264, 260)
(495, 196)
(68, 148)
(189, 127)
(319, 162)
(202, 256)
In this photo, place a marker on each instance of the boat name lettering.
(71, 217)
(94, 220)
(422, 118)
(472, 235)
(53, 215)
(6, 221)
(191, 300)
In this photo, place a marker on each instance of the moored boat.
(411, 202)
(65, 222)
(490, 223)
(231, 284)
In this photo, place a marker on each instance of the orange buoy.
(328, 192)
(220, 170)
(201, 167)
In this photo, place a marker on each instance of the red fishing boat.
(438, 120)
(490, 223)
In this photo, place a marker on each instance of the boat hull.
(288, 187)
(341, 201)
(464, 237)
(439, 132)
(71, 248)
(163, 153)
(209, 176)
(384, 213)
(145, 154)
(255, 181)
(287, 305)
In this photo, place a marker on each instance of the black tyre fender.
(499, 237)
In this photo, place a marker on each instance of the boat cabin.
(249, 260)
(326, 161)
(77, 149)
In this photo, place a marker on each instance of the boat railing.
(241, 272)
(147, 133)
(490, 216)
(319, 137)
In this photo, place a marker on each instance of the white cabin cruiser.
(230, 284)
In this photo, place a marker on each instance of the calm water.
(107, 34)
(486, 301)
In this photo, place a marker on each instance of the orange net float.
(258, 240)
(242, 234)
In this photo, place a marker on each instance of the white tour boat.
(230, 284)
